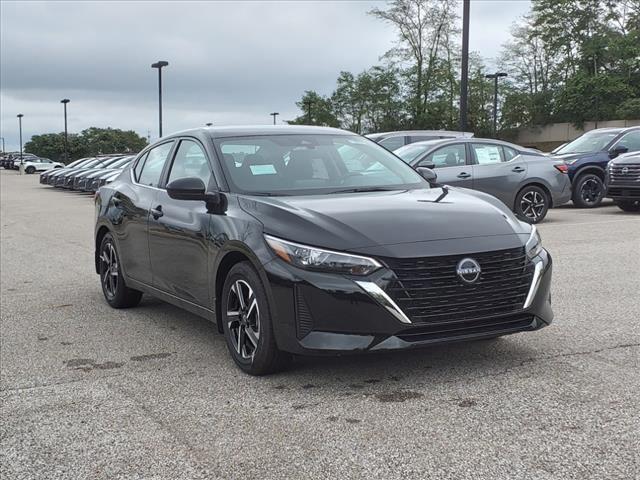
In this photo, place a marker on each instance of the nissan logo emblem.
(468, 270)
(625, 170)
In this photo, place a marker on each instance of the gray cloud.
(230, 62)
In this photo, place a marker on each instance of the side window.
(631, 140)
(138, 168)
(153, 165)
(486, 153)
(509, 153)
(392, 143)
(190, 161)
(449, 156)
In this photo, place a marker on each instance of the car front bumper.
(320, 313)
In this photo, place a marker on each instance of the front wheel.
(628, 205)
(114, 288)
(532, 204)
(589, 191)
(247, 323)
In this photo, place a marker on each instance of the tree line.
(567, 61)
(90, 142)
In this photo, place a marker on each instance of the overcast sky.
(230, 62)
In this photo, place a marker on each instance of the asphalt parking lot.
(91, 392)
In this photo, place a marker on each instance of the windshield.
(411, 152)
(589, 142)
(312, 164)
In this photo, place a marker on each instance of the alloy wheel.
(590, 191)
(533, 205)
(243, 317)
(109, 269)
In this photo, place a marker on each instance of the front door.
(451, 165)
(179, 229)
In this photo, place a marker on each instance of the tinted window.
(312, 164)
(509, 153)
(631, 140)
(190, 161)
(589, 142)
(153, 165)
(486, 153)
(392, 143)
(449, 156)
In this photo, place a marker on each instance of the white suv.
(33, 165)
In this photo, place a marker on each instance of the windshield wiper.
(365, 189)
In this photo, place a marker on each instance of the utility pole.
(159, 65)
(21, 168)
(464, 75)
(495, 77)
(64, 101)
(274, 115)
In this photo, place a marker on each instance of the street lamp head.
(159, 64)
(495, 75)
(209, 124)
(65, 100)
(501, 74)
(20, 115)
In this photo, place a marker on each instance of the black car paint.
(180, 250)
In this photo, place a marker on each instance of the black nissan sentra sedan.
(309, 240)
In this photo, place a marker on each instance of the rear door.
(497, 170)
(451, 164)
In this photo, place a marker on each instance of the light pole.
(64, 101)
(21, 168)
(159, 66)
(464, 74)
(495, 77)
(274, 115)
(2, 138)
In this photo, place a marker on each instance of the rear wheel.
(532, 204)
(30, 170)
(628, 205)
(589, 191)
(247, 323)
(114, 288)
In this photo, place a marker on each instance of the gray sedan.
(528, 182)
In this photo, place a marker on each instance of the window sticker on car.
(262, 169)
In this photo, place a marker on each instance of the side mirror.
(189, 188)
(614, 152)
(428, 174)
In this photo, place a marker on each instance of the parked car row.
(31, 163)
(87, 174)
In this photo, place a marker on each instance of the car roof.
(613, 130)
(442, 141)
(254, 130)
(419, 132)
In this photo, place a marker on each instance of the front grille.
(428, 289)
(624, 192)
(507, 324)
(631, 173)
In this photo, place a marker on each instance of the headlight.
(312, 258)
(534, 245)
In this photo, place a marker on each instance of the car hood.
(570, 157)
(628, 159)
(359, 220)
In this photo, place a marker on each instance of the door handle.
(157, 212)
(464, 175)
(517, 169)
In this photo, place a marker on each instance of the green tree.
(89, 142)
(316, 110)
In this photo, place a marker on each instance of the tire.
(628, 205)
(114, 288)
(249, 331)
(589, 191)
(532, 204)
(30, 170)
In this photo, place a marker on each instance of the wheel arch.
(100, 233)
(227, 259)
(596, 170)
